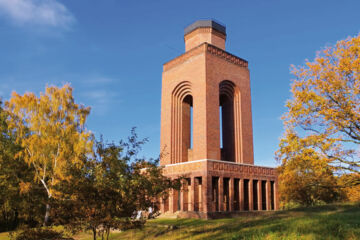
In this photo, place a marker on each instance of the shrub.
(37, 234)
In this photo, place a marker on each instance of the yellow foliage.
(322, 124)
(24, 187)
(326, 103)
(51, 130)
(352, 189)
(353, 193)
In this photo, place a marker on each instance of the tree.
(351, 191)
(51, 132)
(111, 188)
(18, 194)
(304, 178)
(9, 180)
(322, 124)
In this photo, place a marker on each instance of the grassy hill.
(340, 221)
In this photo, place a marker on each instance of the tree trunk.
(47, 215)
(94, 232)
(16, 220)
(107, 233)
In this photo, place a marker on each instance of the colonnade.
(221, 194)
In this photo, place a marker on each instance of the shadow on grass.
(324, 222)
(342, 223)
(328, 207)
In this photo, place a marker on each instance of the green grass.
(4, 236)
(336, 221)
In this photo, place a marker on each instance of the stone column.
(192, 194)
(162, 205)
(182, 195)
(241, 194)
(206, 190)
(231, 194)
(259, 193)
(268, 195)
(221, 194)
(251, 196)
(171, 201)
(196, 194)
(173, 204)
(176, 200)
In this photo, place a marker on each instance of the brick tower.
(206, 130)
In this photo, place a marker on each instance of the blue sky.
(112, 52)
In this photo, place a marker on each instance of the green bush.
(37, 234)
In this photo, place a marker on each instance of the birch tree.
(51, 131)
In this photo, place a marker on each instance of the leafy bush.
(37, 234)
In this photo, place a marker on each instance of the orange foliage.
(322, 125)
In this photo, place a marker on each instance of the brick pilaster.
(251, 196)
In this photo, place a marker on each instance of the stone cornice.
(226, 56)
(205, 47)
(217, 161)
(217, 166)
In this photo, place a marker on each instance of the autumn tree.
(322, 124)
(351, 192)
(19, 198)
(9, 180)
(304, 177)
(9, 183)
(50, 129)
(111, 188)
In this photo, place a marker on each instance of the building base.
(215, 189)
(215, 215)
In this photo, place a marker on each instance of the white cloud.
(98, 80)
(100, 100)
(101, 96)
(99, 92)
(39, 12)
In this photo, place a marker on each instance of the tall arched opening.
(187, 131)
(229, 114)
(182, 104)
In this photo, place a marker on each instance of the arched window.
(187, 131)
(181, 123)
(229, 114)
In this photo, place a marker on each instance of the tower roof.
(205, 24)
